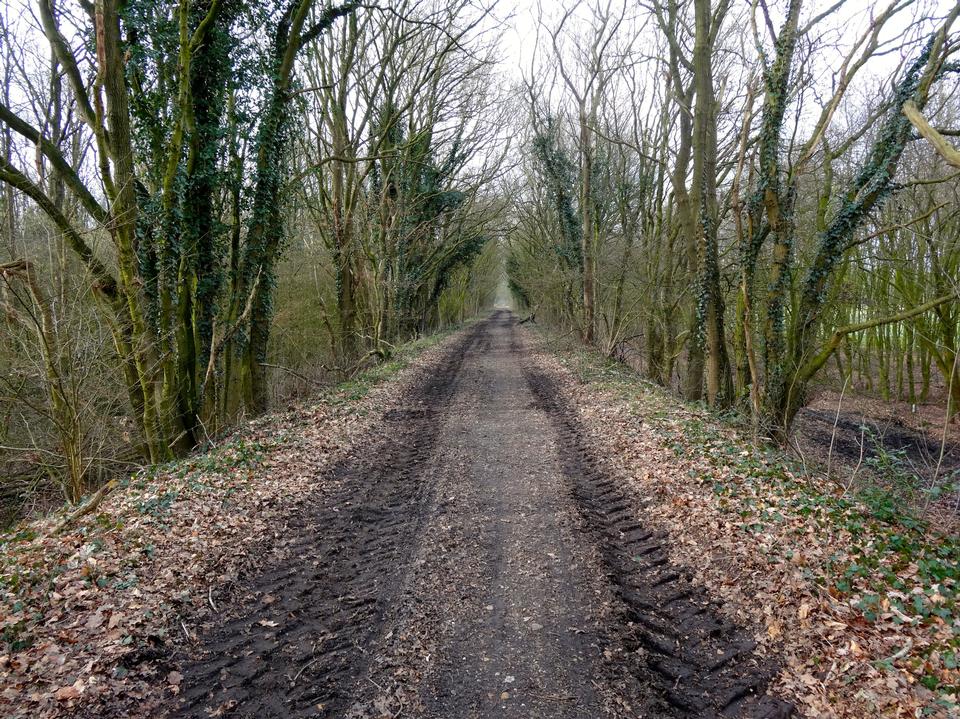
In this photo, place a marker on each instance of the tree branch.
(66, 57)
(52, 153)
(105, 283)
(330, 16)
(939, 142)
(814, 365)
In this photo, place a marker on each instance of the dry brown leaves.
(87, 615)
(834, 662)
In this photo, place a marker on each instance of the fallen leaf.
(67, 693)
(95, 621)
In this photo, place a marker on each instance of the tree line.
(207, 198)
(212, 206)
(739, 197)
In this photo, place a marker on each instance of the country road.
(474, 562)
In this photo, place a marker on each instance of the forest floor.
(890, 448)
(501, 529)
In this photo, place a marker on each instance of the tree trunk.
(587, 239)
(710, 300)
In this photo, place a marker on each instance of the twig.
(946, 426)
(863, 444)
(210, 598)
(303, 669)
(795, 446)
(836, 421)
(899, 654)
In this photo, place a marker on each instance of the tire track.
(698, 664)
(312, 624)
(300, 642)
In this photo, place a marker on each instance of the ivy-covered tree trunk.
(588, 234)
(264, 235)
(557, 172)
(132, 333)
(341, 212)
(685, 200)
(200, 272)
(710, 309)
(265, 231)
(792, 372)
(771, 216)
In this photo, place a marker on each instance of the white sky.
(520, 17)
(836, 33)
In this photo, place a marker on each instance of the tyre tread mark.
(699, 664)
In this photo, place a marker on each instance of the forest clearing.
(458, 358)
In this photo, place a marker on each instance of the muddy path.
(475, 562)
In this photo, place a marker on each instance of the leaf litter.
(89, 615)
(859, 610)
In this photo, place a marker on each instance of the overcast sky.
(520, 21)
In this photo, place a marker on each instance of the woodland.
(210, 207)
(453, 358)
(213, 207)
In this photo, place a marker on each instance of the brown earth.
(860, 428)
(475, 560)
(905, 451)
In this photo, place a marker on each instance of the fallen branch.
(90, 505)
(346, 371)
(218, 346)
(296, 374)
(355, 367)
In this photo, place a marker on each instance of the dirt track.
(475, 562)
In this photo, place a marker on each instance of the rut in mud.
(701, 665)
(297, 645)
(476, 561)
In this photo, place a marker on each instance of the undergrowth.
(153, 500)
(357, 387)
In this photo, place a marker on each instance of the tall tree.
(587, 78)
(156, 109)
(710, 306)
